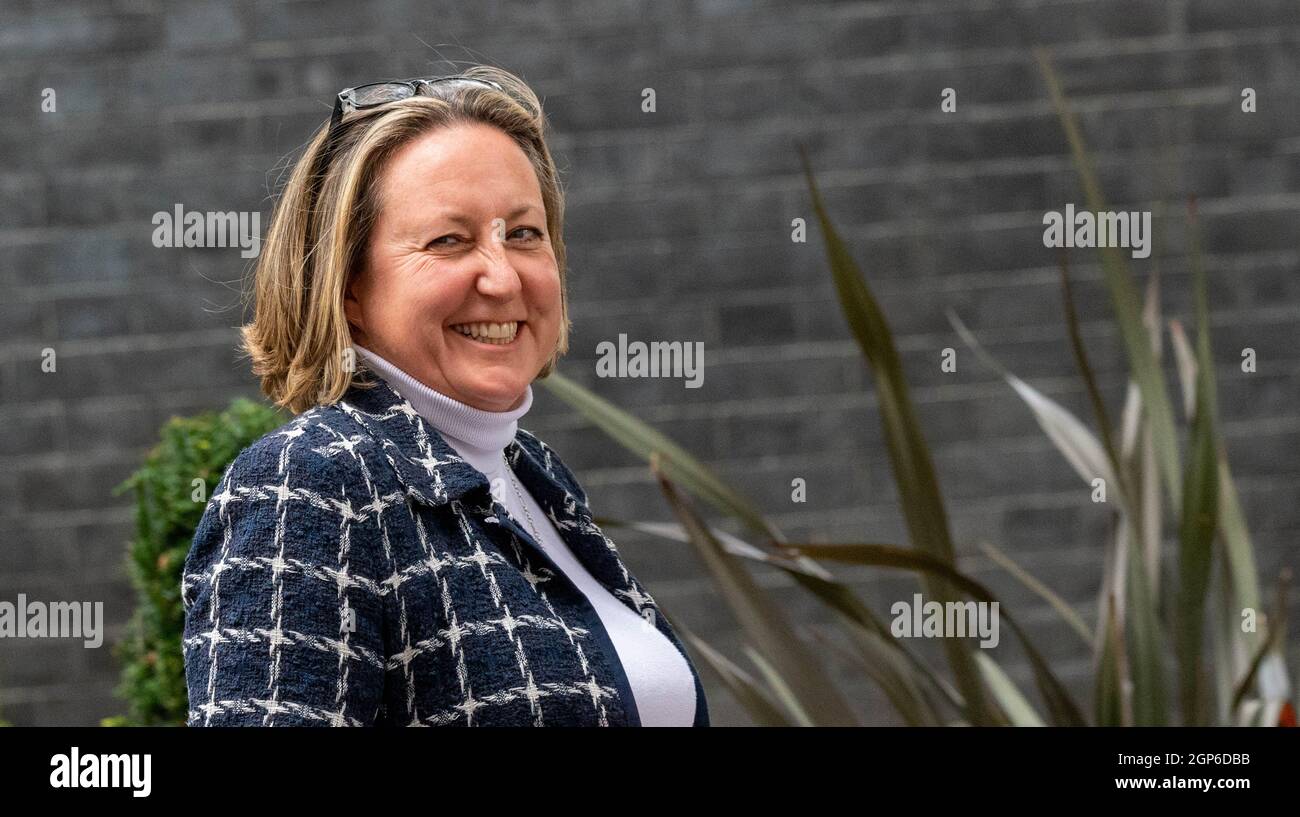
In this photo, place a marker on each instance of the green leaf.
(861, 624)
(1186, 360)
(1143, 633)
(918, 486)
(1012, 701)
(1200, 512)
(1140, 538)
(801, 674)
(748, 692)
(1111, 702)
(884, 662)
(643, 440)
(1061, 709)
(1124, 296)
(1042, 591)
(1070, 436)
(1080, 352)
(780, 688)
(1236, 539)
(1143, 361)
(1272, 644)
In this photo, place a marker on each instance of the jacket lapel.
(573, 519)
(427, 467)
(432, 473)
(535, 465)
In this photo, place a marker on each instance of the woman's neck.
(477, 435)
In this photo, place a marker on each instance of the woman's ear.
(351, 305)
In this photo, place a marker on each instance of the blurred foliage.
(171, 491)
(1149, 616)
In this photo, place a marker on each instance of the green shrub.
(171, 491)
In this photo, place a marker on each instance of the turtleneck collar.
(477, 435)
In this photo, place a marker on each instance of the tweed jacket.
(352, 570)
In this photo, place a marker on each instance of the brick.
(32, 551)
(123, 31)
(26, 196)
(83, 486)
(29, 429)
(104, 426)
(1206, 15)
(205, 23)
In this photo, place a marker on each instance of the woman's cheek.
(547, 292)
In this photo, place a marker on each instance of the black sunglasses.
(372, 95)
(375, 94)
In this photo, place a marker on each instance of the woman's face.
(460, 287)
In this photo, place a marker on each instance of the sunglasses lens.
(379, 93)
(444, 84)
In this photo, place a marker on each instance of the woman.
(402, 553)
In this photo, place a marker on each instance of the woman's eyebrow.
(520, 210)
(463, 219)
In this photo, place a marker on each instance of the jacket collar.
(428, 468)
(431, 472)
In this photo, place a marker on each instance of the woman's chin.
(491, 377)
(493, 396)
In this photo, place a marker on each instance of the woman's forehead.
(472, 149)
(466, 179)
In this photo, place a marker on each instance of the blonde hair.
(299, 340)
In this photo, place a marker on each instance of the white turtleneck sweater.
(661, 681)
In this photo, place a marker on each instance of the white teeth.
(495, 333)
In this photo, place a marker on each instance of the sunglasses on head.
(375, 94)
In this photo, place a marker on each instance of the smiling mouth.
(495, 334)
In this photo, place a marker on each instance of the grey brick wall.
(678, 229)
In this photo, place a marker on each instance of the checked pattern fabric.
(352, 570)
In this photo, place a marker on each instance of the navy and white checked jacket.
(352, 570)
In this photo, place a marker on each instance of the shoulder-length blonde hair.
(299, 340)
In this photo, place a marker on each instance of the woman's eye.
(524, 233)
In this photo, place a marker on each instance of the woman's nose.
(498, 276)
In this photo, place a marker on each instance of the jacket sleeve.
(284, 614)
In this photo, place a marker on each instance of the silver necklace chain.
(510, 474)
